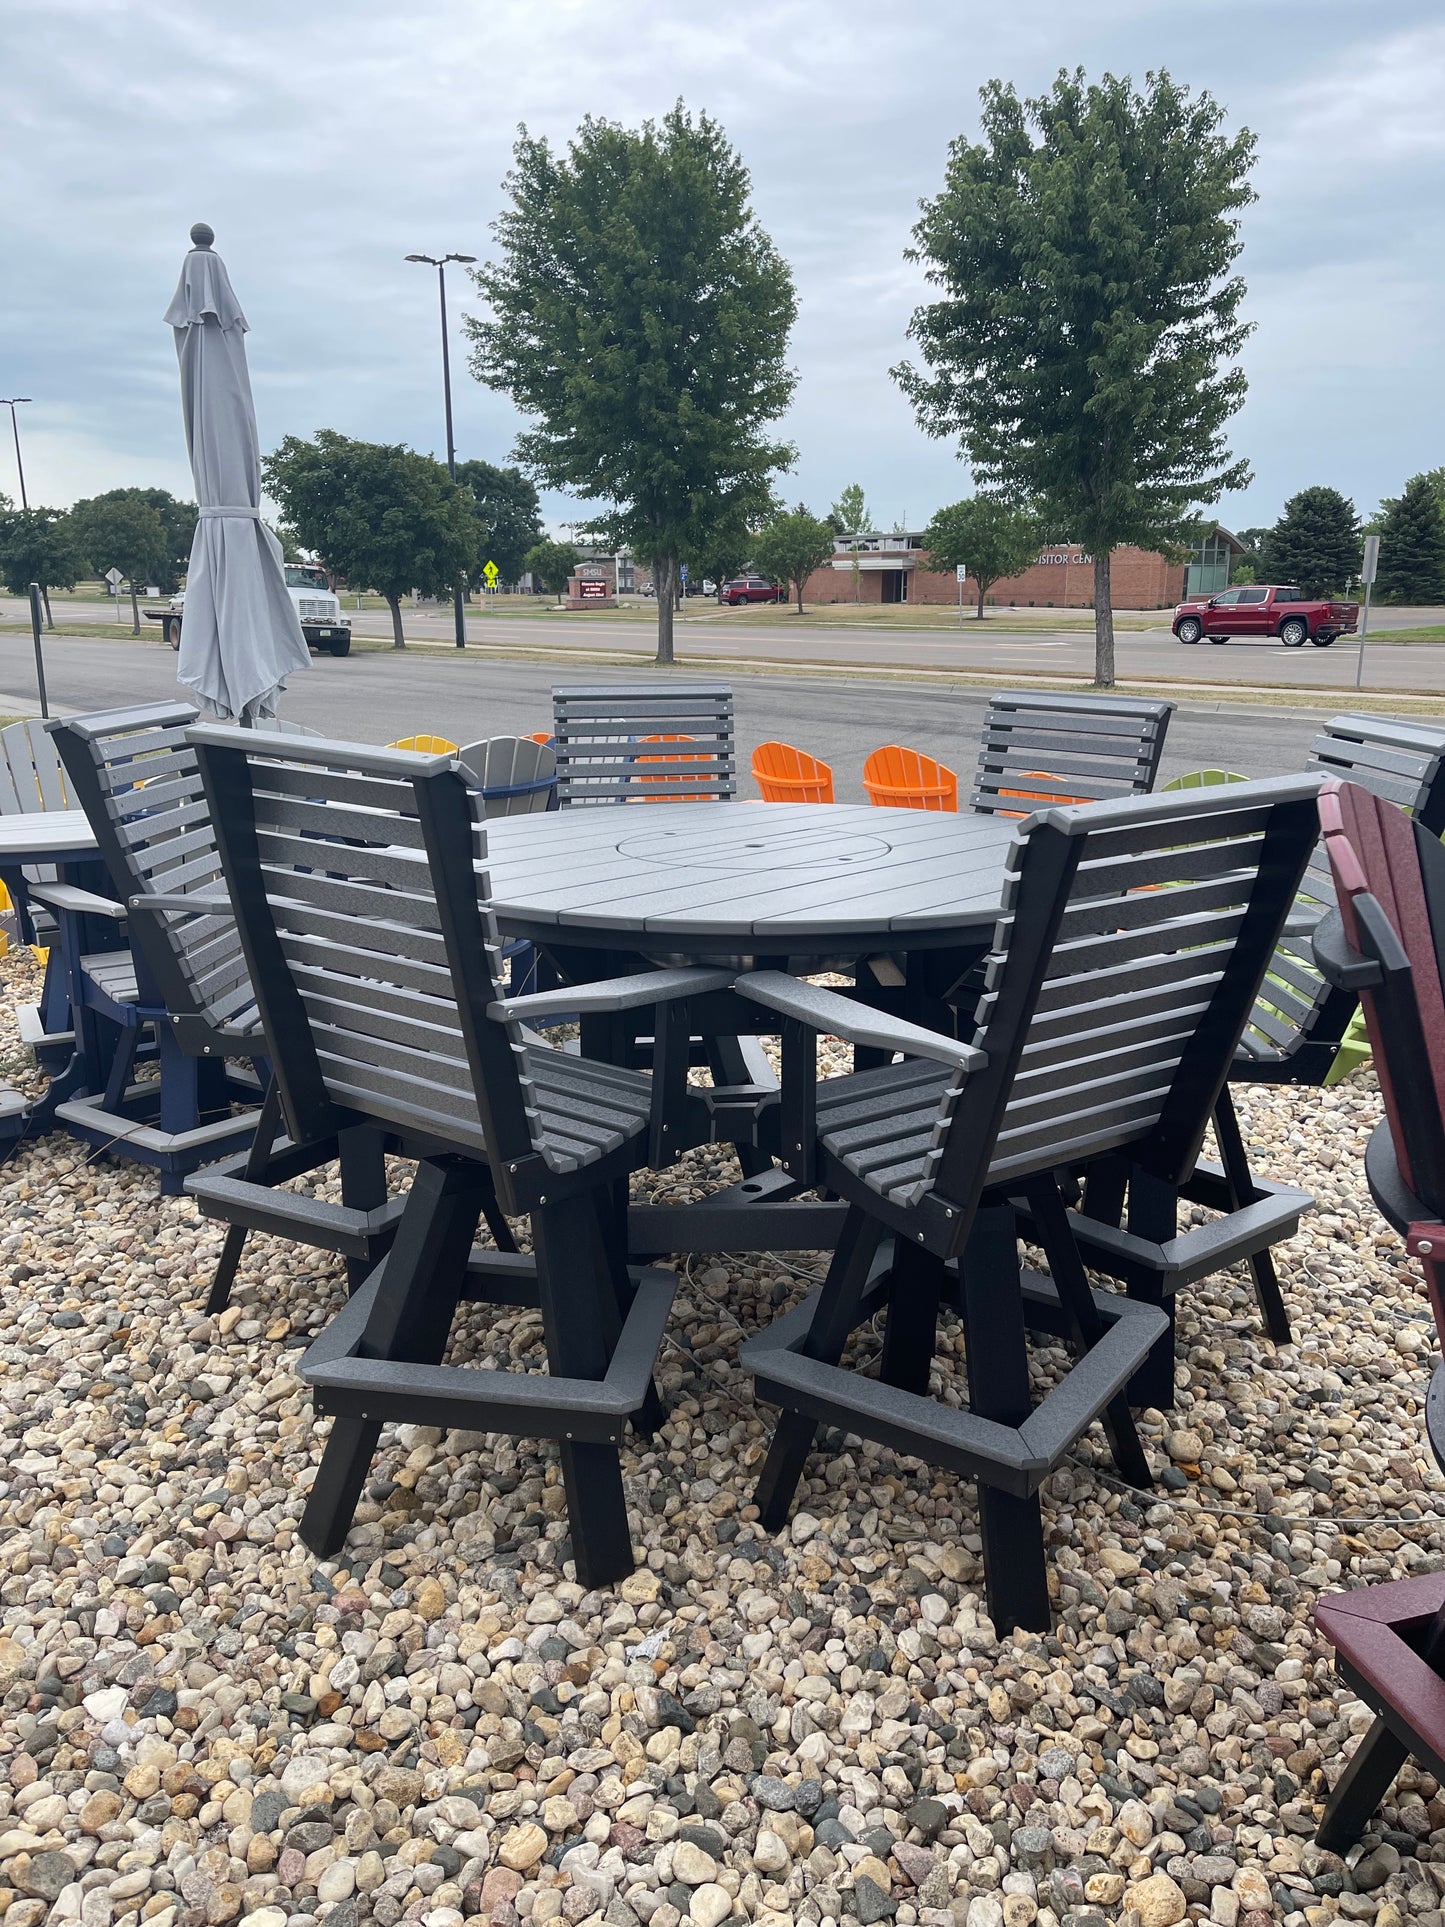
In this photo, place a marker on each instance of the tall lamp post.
(440, 264)
(12, 403)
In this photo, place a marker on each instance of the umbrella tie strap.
(210, 511)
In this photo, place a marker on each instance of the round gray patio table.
(733, 881)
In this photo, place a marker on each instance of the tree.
(1079, 350)
(552, 563)
(850, 515)
(1412, 546)
(721, 552)
(1315, 543)
(377, 513)
(790, 545)
(39, 545)
(509, 518)
(991, 537)
(178, 519)
(119, 530)
(640, 313)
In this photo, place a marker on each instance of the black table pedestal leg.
(1015, 1575)
(833, 1319)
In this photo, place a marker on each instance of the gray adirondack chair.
(615, 743)
(1111, 1011)
(515, 775)
(357, 879)
(183, 975)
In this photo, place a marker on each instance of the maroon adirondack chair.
(1388, 942)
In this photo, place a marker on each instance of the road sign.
(114, 576)
(491, 572)
(683, 572)
(962, 572)
(1372, 556)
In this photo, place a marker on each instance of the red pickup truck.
(1266, 611)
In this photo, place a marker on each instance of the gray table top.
(37, 835)
(677, 878)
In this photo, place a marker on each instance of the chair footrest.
(1013, 1459)
(134, 1137)
(1377, 1632)
(522, 1404)
(33, 1034)
(1204, 1248)
(318, 1222)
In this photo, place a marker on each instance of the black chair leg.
(1154, 1214)
(361, 1154)
(991, 1294)
(1071, 1281)
(1362, 1786)
(1240, 1183)
(409, 1322)
(834, 1317)
(911, 1332)
(344, 1465)
(257, 1158)
(581, 1321)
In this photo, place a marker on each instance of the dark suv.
(749, 588)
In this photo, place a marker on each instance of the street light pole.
(440, 264)
(10, 403)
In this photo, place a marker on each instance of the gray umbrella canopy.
(240, 635)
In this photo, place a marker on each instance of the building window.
(1207, 572)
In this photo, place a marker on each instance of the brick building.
(890, 568)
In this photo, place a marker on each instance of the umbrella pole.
(39, 656)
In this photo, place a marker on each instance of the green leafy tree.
(790, 545)
(992, 538)
(721, 552)
(178, 519)
(1088, 313)
(552, 563)
(640, 314)
(1315, 544)
(376, 513)
(508, 515)
(39, 545)
(1412, 546)
(119, 530)
(850, 514)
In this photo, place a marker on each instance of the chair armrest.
(1338, 963)
(196, 904)
(65, 896)
(825, 1010)
(612, 996)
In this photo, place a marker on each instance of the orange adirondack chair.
(787, 775)
(677, 793)
(903, 779)
(1040, 796)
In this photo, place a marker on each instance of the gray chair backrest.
(1066, 749)
(513, 775)
(1133, 939)
(603, 755)
(1402, 762)
(31, 776)
(344, 919)
(135, 776)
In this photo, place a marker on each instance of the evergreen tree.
(1315, 544)
(640, 315)
(1412, 546)
(1088, 319)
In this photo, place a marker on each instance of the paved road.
(375, 698)
(752, 635)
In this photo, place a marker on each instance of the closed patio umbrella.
(240, 634)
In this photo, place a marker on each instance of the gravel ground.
(200, 1723)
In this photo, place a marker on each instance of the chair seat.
(588, 1110)
(113, 973)
(880, 1124)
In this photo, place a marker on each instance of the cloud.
(325, 142)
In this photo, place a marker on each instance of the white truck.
(322, 623)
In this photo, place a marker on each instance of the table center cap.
(740, 854)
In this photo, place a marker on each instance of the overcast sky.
(325, 141)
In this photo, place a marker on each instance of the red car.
(749, 588)
(1266, 611)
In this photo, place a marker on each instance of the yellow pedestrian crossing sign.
(491, 572)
